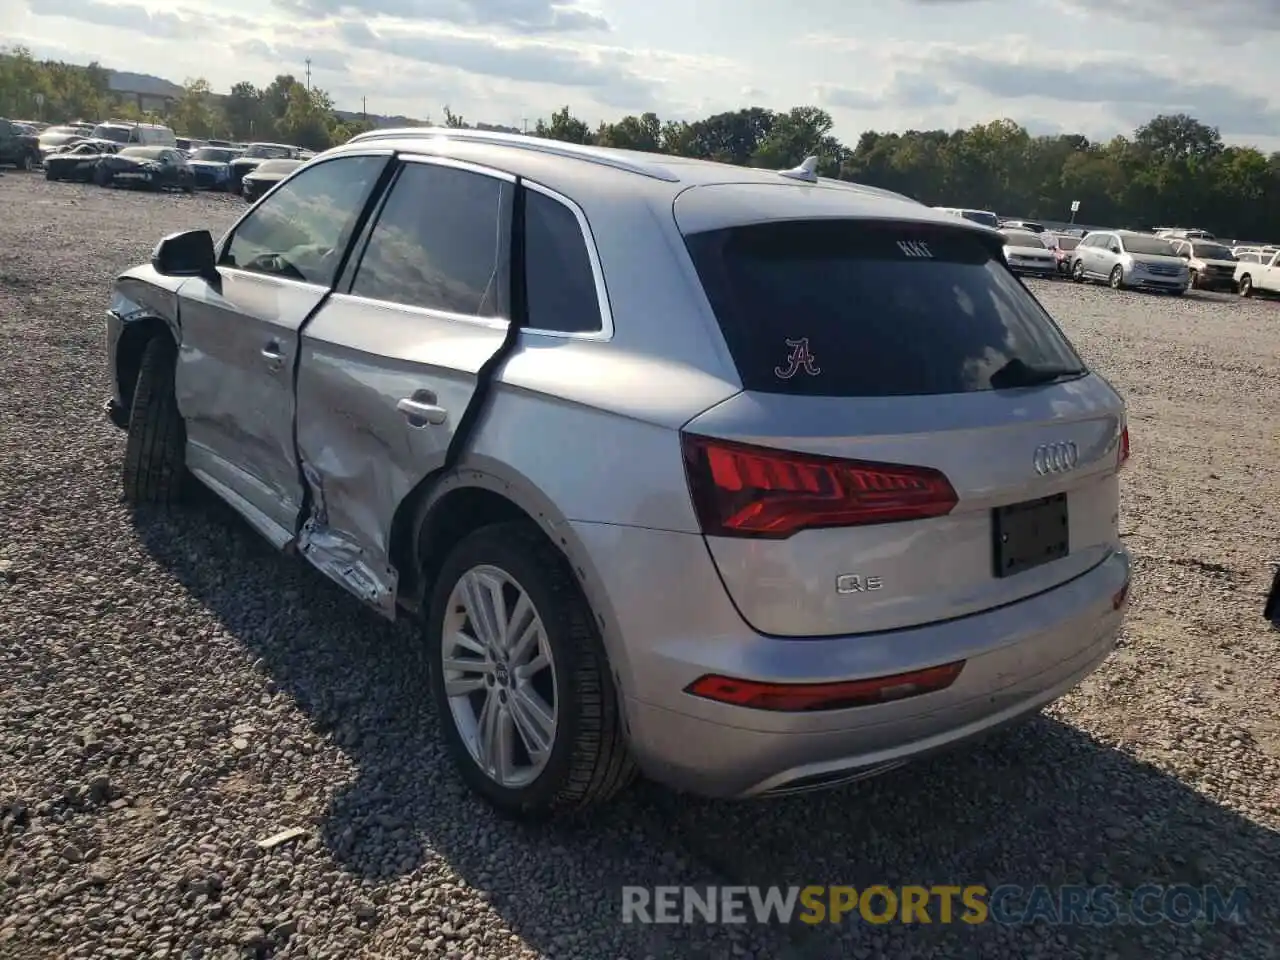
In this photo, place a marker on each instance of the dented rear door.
(389, 364)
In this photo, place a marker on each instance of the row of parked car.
(150, 156)
(1166, 259)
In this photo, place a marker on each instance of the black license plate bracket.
(1027, 535)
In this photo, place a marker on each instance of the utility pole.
(308, 61)
(525, 121)
(364, 109)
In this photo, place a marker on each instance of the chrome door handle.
(419, 413)
(273, 355)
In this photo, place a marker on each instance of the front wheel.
(49, 174)
(526, 702)
(155, 452)
(1117, 277)
(1193, 280)
(1077, 271)
(24, 162)
(1246, 286)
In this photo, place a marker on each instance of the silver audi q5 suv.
(750, 480)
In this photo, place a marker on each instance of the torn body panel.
(235, 387)
(381, 389)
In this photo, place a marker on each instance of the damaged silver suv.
(751, 480)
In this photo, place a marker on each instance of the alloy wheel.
(498, 672)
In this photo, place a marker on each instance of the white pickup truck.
(1258, 271)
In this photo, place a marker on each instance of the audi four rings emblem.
(1055, 457)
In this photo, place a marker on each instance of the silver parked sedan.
(755, 481)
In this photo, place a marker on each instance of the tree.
(452, 119)
(632, 133)
(195, 113)
(564, 126)
(246, 111)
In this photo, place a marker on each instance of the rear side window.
(870, 309)
(983, 217)
(442, 241)
(560, 285)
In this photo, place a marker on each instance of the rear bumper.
(1018, 658)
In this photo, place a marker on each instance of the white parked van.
(143, 134)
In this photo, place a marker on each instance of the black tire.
(589, 761)
(24, 162)
(1193, 280)
(100, 176)
(155, 452)
(49, 174)
(1246, 286)
(1116, 279)
(1176, 293)
(1077, 271)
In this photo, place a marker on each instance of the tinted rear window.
(982, 217)
(876, 309)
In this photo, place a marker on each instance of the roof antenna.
(807, 171)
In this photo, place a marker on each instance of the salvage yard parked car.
(257, 153)
(1061, 245)
(840, 541)
(146, 168)
(57, 139)
(265, 176)
(1262, 276)
(1123, 259)
(18, 148)
(210, 167)
(78, 163)
(1210, 265)
(1027, 255)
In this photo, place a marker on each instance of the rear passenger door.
(388, 365)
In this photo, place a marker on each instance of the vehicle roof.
(601, 175)
(268, 143)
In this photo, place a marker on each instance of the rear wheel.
(1193, 280)
(155, 452)
(526, 702)
(24, 162)
(1117, 277)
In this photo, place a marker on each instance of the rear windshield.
(267, 150)
(1019, 238)
(149, 153)
(215, 154)
(982, 217)
(1068, 243)
(870, 309)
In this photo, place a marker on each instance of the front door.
(236, 362)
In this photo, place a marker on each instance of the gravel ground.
(171, 693)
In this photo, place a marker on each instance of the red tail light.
(1124, 448)
(842, 695)
(747, 491)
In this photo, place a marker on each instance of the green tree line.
(285, 110)
(1171, 170)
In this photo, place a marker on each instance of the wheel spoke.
(472, 677)
(487, 728)
(525, 643)
(522, 617)
(478, 610)
(469, 644)
(535, 722)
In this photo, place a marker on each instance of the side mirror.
(1115, 248)
(187, 254)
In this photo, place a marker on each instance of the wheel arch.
(146, 306)
(442, 509)
(134, 338)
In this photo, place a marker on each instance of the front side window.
(300, 231)
(877, 309)
(559, 283)
(442, 242)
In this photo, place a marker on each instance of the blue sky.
(1093, 66)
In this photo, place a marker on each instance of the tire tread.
(155, 451)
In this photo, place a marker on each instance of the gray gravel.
(173, 693)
